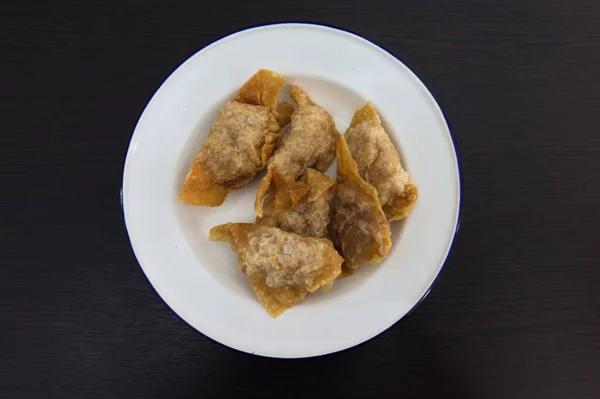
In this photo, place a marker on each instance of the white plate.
(199, 279)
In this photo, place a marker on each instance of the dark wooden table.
(515, 312)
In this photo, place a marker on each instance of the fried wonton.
(359, 227)
(282, 267)
(239, 143)
(284, 111)
(379, 164)
(309, 142)
(311, 215)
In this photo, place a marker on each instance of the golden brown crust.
(288, 191)
(239, 143)
(379, 164)
(300, 97)
(276, 300)
(236, 234)
(308, 143)
(360, 229)
(320, 184)
(311, 216)
(261, 89)
(401, 205)
(199, 187)
(284, 113)
(282, 267)
(366, 113)
(263, 188)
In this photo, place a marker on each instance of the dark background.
(516, 310)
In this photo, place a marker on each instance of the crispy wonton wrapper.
(359, 227)
(282, 267)
(239, 143)
(311, 216)
(284, 111)
(379, 164)
(309, 142)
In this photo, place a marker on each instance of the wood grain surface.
(516, 310)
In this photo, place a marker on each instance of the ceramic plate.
(200, 280)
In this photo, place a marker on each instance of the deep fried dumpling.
(359, 227)
(311, 216)
(239, 143)
(379, 164)
(282, 267)
(309, 142)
